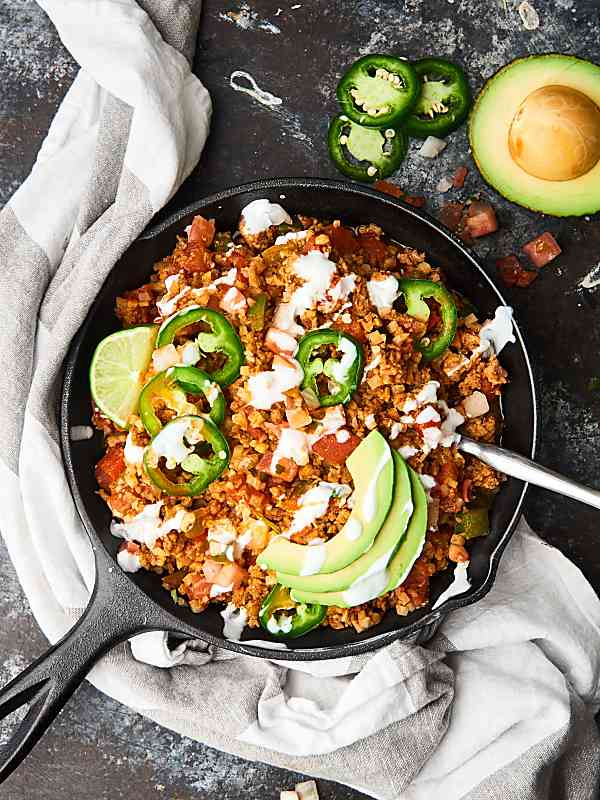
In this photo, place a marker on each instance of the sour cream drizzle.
(370, 500)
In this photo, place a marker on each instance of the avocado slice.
(372, 470)
(377, 557)
(377, 583)
(535, 134)
(412, 545)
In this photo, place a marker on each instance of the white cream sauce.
(267, 388)
(460, 584)
(353, 529)
(314, 559)
(291, 236)
(497, 333)
(133, 453)
(383, 292)
(234, 622)
(147, 526)
(314, 504)
(365, 589)
(260, 215)
(369, 507)
(129, 562)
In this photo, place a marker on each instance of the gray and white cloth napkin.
(500, 704)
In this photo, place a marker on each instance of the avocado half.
(534, 133)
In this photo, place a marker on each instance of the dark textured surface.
(99, 749)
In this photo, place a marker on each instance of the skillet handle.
(117, 610)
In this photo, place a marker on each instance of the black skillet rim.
(379, 640)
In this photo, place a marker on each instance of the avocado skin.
(515, 196)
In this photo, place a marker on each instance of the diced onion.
(432, 147)
(444, 185)
(307, 790)
(79, 433)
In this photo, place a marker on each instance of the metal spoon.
(526, 470)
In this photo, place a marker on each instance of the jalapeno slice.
(172, 386)
(186, 473)
(345, 373)
(378, 90)
(221, 338)
(415, 293)
(444, 101)
(283, 618)
(365, 154)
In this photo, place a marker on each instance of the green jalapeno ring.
(203, 469)
(415, 293)
(304, 617)
(222, 338)
(444, 101)
(172, 385)
(378, 90)
(365, 154)
(348, 382)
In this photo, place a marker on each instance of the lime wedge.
(117, 369)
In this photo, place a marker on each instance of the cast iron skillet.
(123, 605)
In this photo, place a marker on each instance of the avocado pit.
(555, 134)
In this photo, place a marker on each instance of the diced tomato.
(214, 299)
(480, 220)
(285, 469)
(451, 215)
(395, 191)
(231, 573)
(254, 497)
(238, 260)
(110, 467)
(343, 240)
(130, 547)
(458, 179)
(194, 257)
(211, 570)
(374, 249)
(202, 230)
(354, 328)
(279, 341)
(513, 274)
(199, 589)
(543, 249)
(414, 200)
(333, 451)
(387, 187)
(433, 321)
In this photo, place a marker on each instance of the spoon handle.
(526, 470)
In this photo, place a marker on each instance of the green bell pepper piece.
(365, 154)
(378, 90)
(473, 522)
(345, 373)
(415, 293)
(221, 338)
(198, 471)
(172, 385)
(444, 101)
(284, 619)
